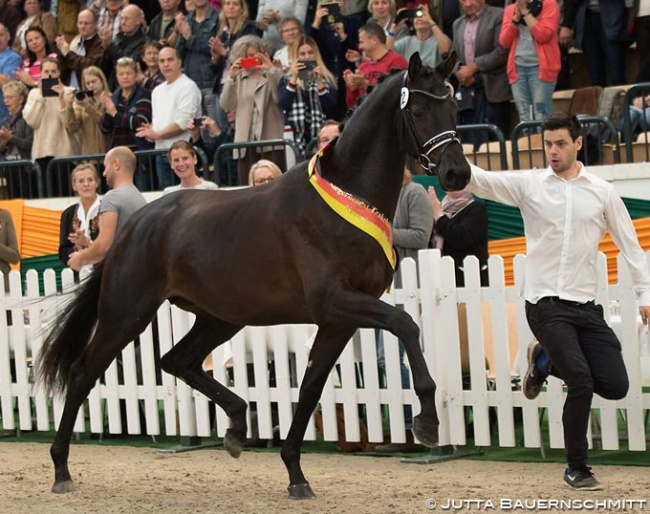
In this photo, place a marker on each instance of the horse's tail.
(70, 334)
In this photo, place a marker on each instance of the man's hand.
(145, 130)
(465, 74)
(62, 45)
(565, 36)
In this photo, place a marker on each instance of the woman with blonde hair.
(308, 93)
(84, 110)
(252, 91)
(80, 222)
(263, 171)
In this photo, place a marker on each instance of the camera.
(534, 7)
(307, 72)
(249, 62)
(333, 13)
(409, 15)
(83, 93)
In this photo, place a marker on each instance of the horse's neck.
(369, 161)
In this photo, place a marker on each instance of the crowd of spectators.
(80, 77)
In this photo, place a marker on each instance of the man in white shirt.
(173, 103)
(566, 213)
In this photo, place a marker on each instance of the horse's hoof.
(300, 491)
(426, 432)
(65, 486)
(232, 445)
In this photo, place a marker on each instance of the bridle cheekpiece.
(440, 141)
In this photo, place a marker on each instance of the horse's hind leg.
(328, 345)
(185, 361)
(109, 339)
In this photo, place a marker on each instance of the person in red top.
(531, 36)
(379, 60)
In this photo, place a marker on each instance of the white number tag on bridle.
(404, 98)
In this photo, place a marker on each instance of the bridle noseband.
(440, 141)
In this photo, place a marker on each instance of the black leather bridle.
(440, 141)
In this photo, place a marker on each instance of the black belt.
(568, 302)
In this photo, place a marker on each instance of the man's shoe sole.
(530, 357)
(598, 487)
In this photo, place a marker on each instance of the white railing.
(494, 328)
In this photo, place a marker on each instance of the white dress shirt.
(564, 222)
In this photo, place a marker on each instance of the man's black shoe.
(581, 478)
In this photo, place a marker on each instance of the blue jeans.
(639, 122)
(404, 372)
(533, 97)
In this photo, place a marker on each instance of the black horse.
(274, 254)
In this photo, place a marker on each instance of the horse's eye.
(418, 111)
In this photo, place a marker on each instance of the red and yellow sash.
(353, 210)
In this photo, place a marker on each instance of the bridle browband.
(440, 141)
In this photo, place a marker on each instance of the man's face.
(86, 24)
(169, 63)
(169, 6)
(4, 37)
(561, 150)
(290, 32)
(327, 133)
(471, 7)
(200, 4)
(109, 169)
(130, 20)
(366, 43)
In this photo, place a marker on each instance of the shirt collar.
(549, 174)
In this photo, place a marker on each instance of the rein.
(353, 210)
(440, 141)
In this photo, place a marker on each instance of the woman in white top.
(183, 160)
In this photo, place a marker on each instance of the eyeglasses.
(287, 30)
(263, 180)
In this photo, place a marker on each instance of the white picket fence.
(497, 337)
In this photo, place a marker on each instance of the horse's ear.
(415, 65)
(446, 68)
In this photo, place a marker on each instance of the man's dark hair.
(563, 120)
(374, 30)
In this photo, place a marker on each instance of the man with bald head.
(174, 103)
(84, 50)
(128, 43)
(116, 206)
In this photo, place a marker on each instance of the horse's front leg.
(327, 348)
(365, 311)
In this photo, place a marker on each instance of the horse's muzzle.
(454, 171)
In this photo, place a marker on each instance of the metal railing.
(20, 179)
(485, 155)
(597, 131)
(632, 127)
(59, 170)
(229, 170)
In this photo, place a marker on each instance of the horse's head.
(429, 112)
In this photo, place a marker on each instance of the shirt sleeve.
(504, 187)
(624, 236)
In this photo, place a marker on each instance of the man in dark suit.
(600, 29)
(484, 90)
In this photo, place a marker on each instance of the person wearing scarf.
(80, 221)
(461, 229)
(307, 97)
